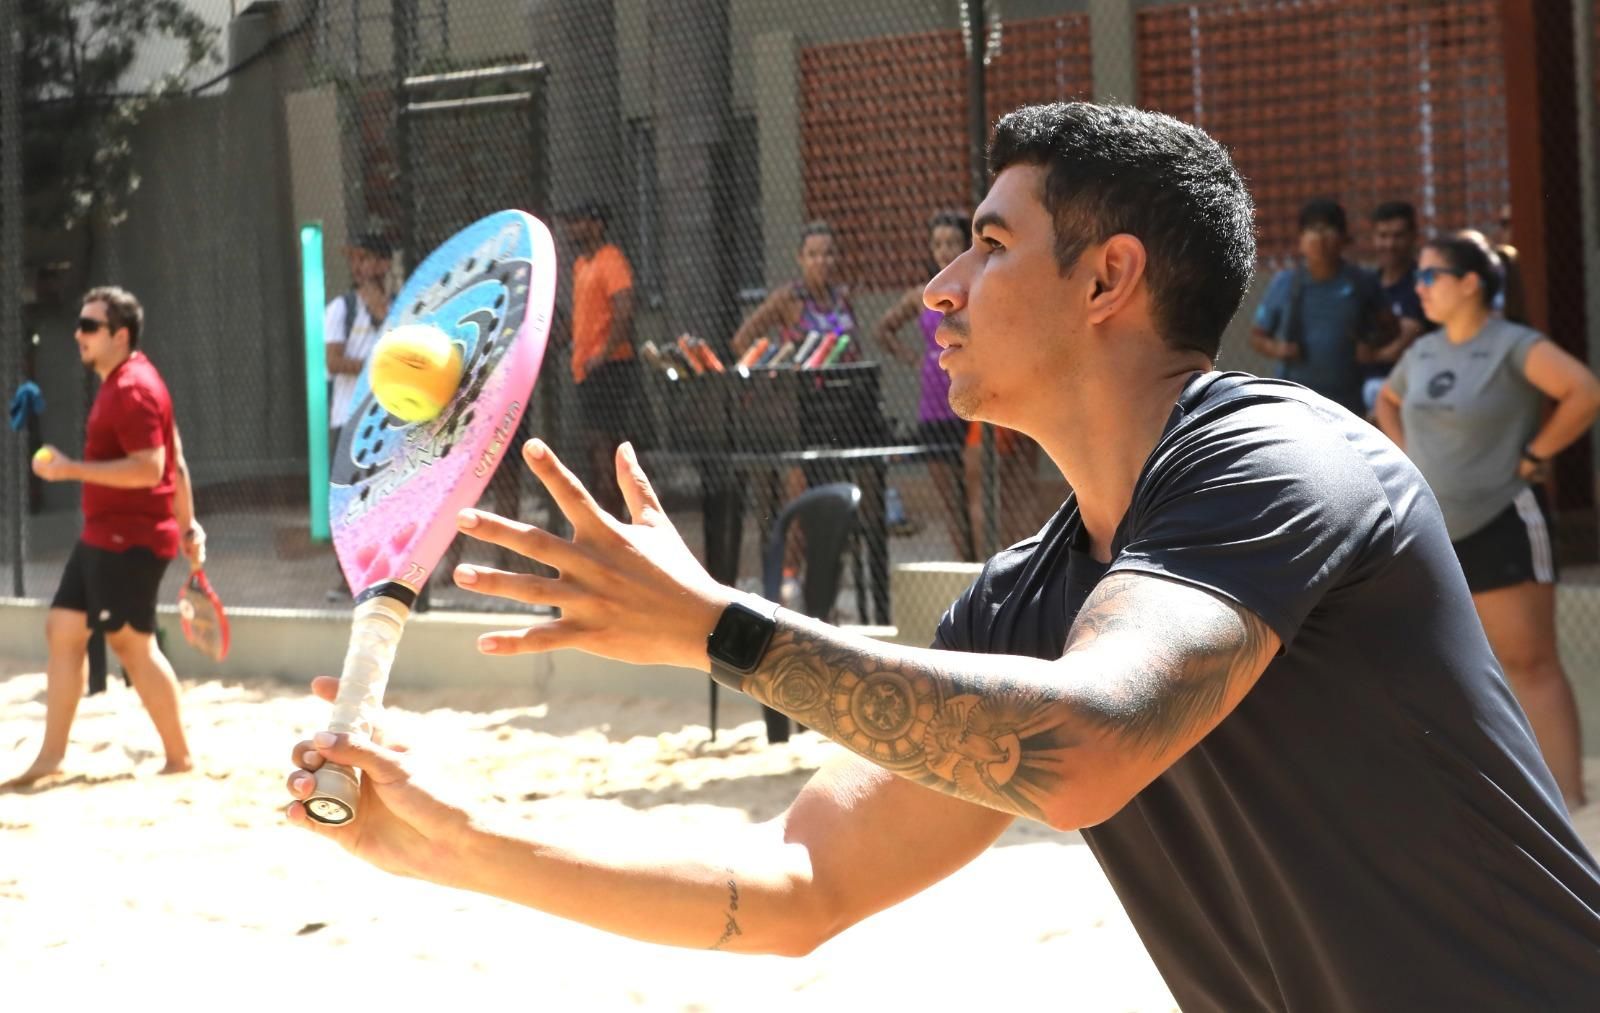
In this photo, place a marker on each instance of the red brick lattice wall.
(883, 128)
(1361, 100)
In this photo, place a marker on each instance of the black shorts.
(609, 404)
(1512, 549)
(947, 436)
(112, 589)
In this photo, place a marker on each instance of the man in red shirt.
(137, 514)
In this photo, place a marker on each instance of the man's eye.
(993, 245)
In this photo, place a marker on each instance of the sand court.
(192, 891)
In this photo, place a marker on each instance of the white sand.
(192, 893)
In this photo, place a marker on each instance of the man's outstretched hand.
(633, 592)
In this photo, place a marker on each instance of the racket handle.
(374, 638)
(334, 800)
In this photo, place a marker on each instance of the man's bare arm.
(1407, 331)
(338, 362)
(1150, 667)
(855, 841)
(141, 469)
(1270, 347)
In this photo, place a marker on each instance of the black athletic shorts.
(610, 401)
(1512, 549)
(112, 589)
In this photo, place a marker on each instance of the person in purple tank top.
(816, 301)
(937, 425)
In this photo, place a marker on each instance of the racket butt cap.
(334, 800)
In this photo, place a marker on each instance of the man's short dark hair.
(1390, 210)
(586, 210)
(122, 310)
(375, 243)
(950, 218)
(1324, 212)
(816, 227)
(1115, 169)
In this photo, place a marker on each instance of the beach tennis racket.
(205, 623)
(396, 487)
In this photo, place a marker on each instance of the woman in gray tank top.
(1466, 403)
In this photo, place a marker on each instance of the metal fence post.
(13, 455)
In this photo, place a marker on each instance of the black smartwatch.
(740, 639)
(1532, 458)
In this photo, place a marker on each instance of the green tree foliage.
(78, 110)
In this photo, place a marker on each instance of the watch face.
(741, 637)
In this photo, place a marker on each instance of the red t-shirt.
(132, 412)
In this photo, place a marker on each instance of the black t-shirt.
(1372, 828)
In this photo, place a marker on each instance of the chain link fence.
(757, 191)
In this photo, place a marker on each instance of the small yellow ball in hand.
(415, 371)
(43, 455)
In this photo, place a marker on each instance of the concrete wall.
(209, 245)
(317, 175)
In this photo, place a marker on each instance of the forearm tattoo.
(1188, 665)
(1001, 741)
(731, 929)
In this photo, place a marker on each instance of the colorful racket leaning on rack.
(396, 488)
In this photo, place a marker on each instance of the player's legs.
(67, 639)
(602, 412)
(952, 493)
(1520, 622)
(794, 550)
(157, 685)
(972, 471)
(1022, 509)
(66, 631)
(127, 584)
(1510, 568)
(950, 482)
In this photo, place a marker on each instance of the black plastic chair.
(827, 515)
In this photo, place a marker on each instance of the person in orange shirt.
(603, 366)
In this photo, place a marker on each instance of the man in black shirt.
(1241, 657)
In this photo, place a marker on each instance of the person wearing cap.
(603, 366)
(352, 322)
(351, 325)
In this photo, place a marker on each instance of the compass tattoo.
(1001, 731)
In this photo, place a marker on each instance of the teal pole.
(313, 295)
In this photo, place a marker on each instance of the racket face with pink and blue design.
(396, 487)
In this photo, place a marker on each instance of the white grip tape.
(374, 637)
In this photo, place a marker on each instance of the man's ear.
(1119, 266)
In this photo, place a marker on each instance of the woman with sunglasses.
(1466, 402)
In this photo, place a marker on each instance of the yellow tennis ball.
(415, 371)
(43, 455)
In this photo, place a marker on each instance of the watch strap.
(721, 671)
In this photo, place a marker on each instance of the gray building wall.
(209, 248)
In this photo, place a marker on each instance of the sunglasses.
(1426, 276)
(89, 325)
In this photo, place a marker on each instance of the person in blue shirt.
(1324, 318)
(1394, 240)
